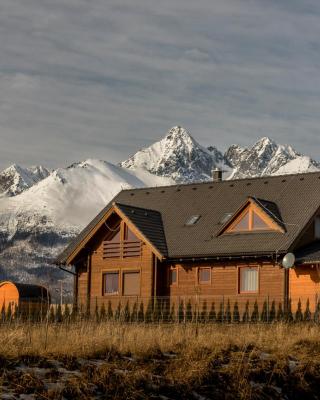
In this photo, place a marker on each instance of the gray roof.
(309, 254)
(290, 199)
(149, 223)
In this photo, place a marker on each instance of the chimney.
(217, 175)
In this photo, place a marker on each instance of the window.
(249, 280)
(111, 283)
(250, 220)
(204, 275)
(130, 236)
(173, 276)
(193, 220)
(131, 283)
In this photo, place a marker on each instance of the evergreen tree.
(3, 312)
(220, 316)
(59, 313)
(126, 312)
(156, 317)
(189, 312)
(66, 314)
(9, 314)
(16, 314)
(134, 314)
(149, 312)
(255, 312)
(236, 313)
(245, 316)
(165, 310)
(212, 313)
(289, 315)
(317, 312)
(204, 312)
(180, 312)
(52, 316)
(141, 313)
(272, 314)
(264, 312)
(96, 312)
(228, 312)
(103, 314)
(307, 313)
(172, 315)
(74, 313)
(109, 312)
(299, 316)
(280, 314)
(117, 315)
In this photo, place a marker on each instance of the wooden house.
(27, 299)
(219, 239)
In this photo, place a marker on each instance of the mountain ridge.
(42, 210)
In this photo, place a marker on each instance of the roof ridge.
(211, 182)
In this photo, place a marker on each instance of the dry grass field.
(89, 360)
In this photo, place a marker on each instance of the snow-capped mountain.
(15, 179)
(41, 211)
(179, 156)
(36, 224)
(266, 157)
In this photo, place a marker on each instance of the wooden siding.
(304, 283)
(225, 283)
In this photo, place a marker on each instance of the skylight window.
(193, 220)
(225, 218)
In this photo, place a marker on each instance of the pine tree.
(9, 314)
(317, 312)
(66, 314)
(96, 312)
(126, 312)
(149, 312)
(52, 316)
(272, 315)
(280, 314)
(117, 315)
(228, 312)
(156, 310)
(307, 313)
(189, 312)
(220, 316)
(212, 313)
(246, 316)
(289, 315)
(264, 312)
(74, 313)
(109, 312)
(134, 314)
(255, 312)
(172, 315)
(3, 312)
(59, 313)
(103, 314)
(299, 316)
(141, 313)
(204, 312)
(236, 313)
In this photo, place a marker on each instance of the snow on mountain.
(266, 157)
(15, 179)
(179, 156)
(41, 211)
(38, 223)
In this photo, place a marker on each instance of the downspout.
(286, 290)
(155, 273)
(88, 282)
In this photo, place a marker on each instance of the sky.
(102, 78)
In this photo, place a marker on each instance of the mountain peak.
(178, 155)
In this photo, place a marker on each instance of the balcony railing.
(122, 249)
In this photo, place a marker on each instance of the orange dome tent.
(28, 298)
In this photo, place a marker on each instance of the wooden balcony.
(123, 249)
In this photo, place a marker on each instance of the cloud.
(82, 78)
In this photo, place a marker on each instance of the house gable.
(253, 216)
(124, 214)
